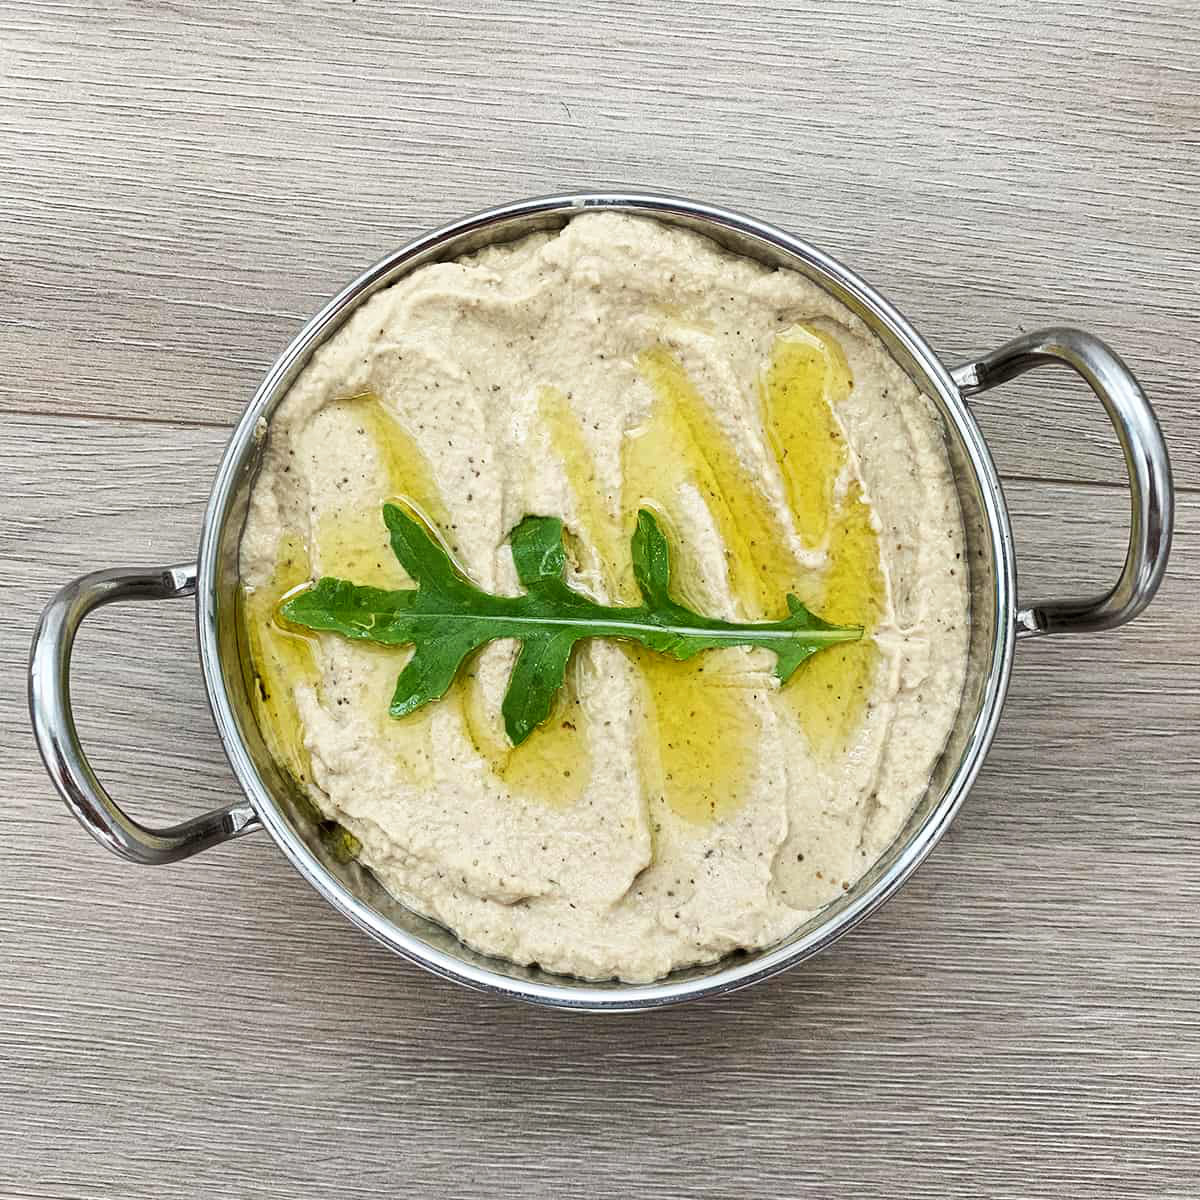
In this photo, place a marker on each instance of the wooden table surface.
(182, 183)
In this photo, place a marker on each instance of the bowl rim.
(610, 996)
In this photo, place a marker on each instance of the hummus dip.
(667, 813)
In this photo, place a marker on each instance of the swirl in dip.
(667, 813)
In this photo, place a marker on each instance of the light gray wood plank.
(1020, 1021)
(183, 185)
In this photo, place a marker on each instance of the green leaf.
(420, 555)
(536, 677)
(537, 550)
(428, 674)
(446, 617)
(651, 560)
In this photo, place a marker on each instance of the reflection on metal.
(1151, 496)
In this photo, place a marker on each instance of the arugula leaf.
(446, 617)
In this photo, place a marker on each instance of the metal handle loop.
(1151, 494)
(58, 741)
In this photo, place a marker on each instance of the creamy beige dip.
(667, 813)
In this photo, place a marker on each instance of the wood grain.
(183, 189)
(182, 183)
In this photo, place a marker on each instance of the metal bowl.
(271, 800)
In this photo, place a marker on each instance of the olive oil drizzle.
(686, 758)
(683, 433)
(806, 377)
(282, 659)
(700, 750)
(549, 766)
(601, 537)
(350, 540)
(552, 764)
(806, 380)
(700, 756)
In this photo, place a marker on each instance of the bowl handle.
(1151, 495)
(58, 741)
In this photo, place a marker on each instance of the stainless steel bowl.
(271, 801)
